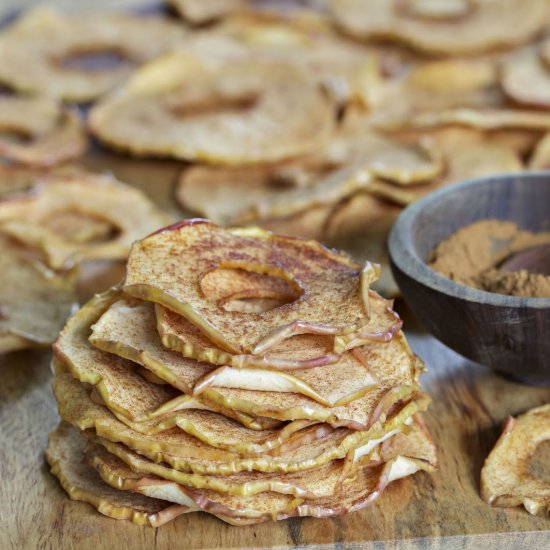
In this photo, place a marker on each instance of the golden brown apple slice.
(256, 115)
(525, 79)
(188, 454)
(64, 455)
(167, 268)
(75, 217)
(505, 477)
(458, 27)
(34, 300)
(197, 12)
(79, 57)
(541, 155)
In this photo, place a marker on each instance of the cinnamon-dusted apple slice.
(38, 131)
(294, 395)
(298, 352)
(79, 57)
(65, 457)
(147, 406)
(188, 454)
(256, 115)
(540, 158)
(35, 301)
(75, 217)
(458, 27)
(525, 79)
(505, 478)
(168, 267)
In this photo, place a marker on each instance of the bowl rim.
(405, 257)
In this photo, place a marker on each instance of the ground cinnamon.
(474, 254)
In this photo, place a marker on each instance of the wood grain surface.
(442, 510)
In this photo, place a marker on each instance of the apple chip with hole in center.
(204, 108)
(76, 217)
(169, 268)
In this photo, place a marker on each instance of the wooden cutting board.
(442, 510)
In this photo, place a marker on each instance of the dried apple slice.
(39, 131)
(256, 115)
(75, 217)
(80, 57)
(505, 477)
(34, 300)
(64, 455)
(188, 454)
(129, 332)
(197, 11)
(540, 158)
(525, 79)
(295, 353)
(336, 304)
(127, 394)
(460, 27)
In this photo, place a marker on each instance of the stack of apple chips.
(239, 373)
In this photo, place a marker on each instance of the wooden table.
(442, 510)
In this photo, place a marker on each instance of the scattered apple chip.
(505, 478)
(39, 131)
(34, 300)
(336, 304)
(80, 57)
(77, 217)
(204, 108)
(541, 155)
(526, 80)
(458, 27)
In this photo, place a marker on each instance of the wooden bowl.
(506, 333)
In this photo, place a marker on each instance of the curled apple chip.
(144, 405)
(505, 478)
(165, 268)
(525, 79)
(299, 352)
(39, 131)
(76, 217)
(457, 27)
(197, 11)
(80, 57)
(35, 301)
(65, 457)
(188, 454)
(209, 110)
(540, 158)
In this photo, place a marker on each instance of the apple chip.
(457, 27)
(526, 80)
(541, 155)
(163, 268)
(505, 478)
(204, 108)
(188, 454)
(39, 131)
(77, 217)
(34, 300)
(80, 57)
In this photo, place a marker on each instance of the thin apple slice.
(76, 216)
(335, 304)
(459, 27)
(257, 116)
(505, 478)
